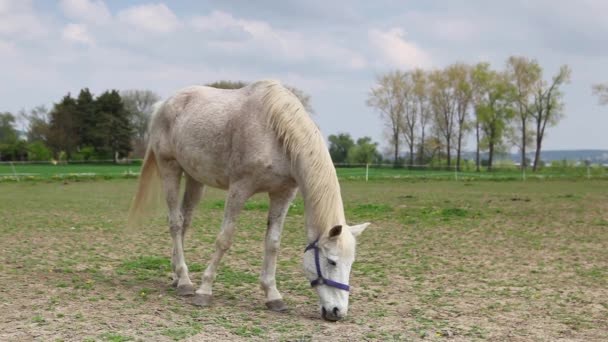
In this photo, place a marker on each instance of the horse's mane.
(310, 158)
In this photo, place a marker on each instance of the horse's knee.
(273, 244)
(176, 223)
(223, 242)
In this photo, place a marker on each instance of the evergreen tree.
(116, 124)
(64, 127)
(87, 111)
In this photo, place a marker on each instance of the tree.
(480, 80)
(364, 152)
(443, 104)
(11, 146)
(339, 145)
(524, 73)
(90, 128)
(8, 133)
(459, 75)
(37, 150)
(304, 98)
(36, 124)
(388, 98)
(601, 91)
(64, 127)
(410, 115)
(225, 84)
(548, 106)
(117, 124)
(495, 110)
(140, 105)
(420, 94)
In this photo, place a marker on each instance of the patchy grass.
(442, 260)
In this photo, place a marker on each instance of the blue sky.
(333, 50)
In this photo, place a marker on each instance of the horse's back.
(218, 136)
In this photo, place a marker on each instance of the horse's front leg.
(279, 205)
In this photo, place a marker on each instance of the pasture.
(450, 260)
(91, 170)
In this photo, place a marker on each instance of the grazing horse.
(255, 139)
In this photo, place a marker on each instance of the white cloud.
(18, 19)
(8, 49)
(155, 18)
(77, 33)
(261, 36)
(89, 11)
(397, 51)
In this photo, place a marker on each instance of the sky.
(332, 50)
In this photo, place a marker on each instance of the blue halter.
(320, 279)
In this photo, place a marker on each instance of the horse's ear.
(335, 231)
(358, 229)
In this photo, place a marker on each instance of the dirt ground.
(443, 260)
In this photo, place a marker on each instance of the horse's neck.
(322, 200)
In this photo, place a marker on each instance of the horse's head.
(327, 264)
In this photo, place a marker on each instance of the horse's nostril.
(336, 311)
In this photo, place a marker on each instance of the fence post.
(523, 173)
(366, 172)
(15, 172)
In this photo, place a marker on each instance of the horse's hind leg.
(192, 196)
(279, 205)
(171, 173)
(238, 193)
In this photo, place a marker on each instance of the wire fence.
(20, 171)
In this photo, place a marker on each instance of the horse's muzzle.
(333, 315)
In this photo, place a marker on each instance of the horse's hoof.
(185, 290)
(201, 300)
(276, 305)
(174, 282)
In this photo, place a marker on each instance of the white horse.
(255, 139)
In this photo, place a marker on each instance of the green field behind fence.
(42, 171)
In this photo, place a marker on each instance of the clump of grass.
(148, 263)
(180, 333)
(115, 337)
(454, 212)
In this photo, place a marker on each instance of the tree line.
(109, 126)
(432, 112)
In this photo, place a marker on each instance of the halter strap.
(320, 279)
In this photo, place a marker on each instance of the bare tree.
(480, 75)
(548, 106)
(140, 104)
(388, 98)
(36, 123)
(524, 74)
(459, 76)
(421, 102)
(410, 115)
(601, 91)
(444, 108)
(303, 97)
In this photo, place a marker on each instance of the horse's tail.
(148, 190)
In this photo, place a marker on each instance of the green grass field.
(14, 172)
(443, 260)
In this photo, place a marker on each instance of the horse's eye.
(331, 262)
